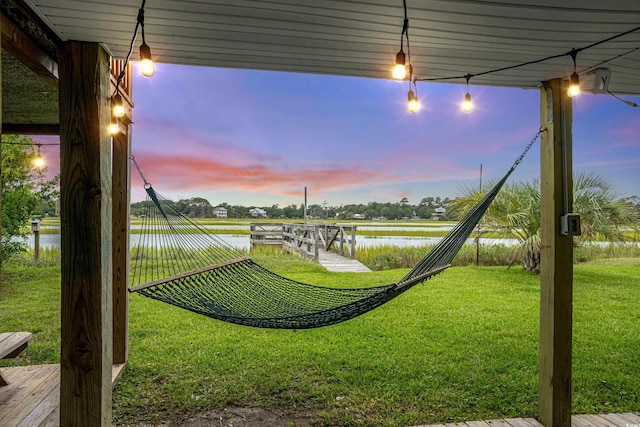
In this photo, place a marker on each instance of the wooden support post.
(556, 268)
(86, 239)
(353, 242)
(121, 201)
(1, 26)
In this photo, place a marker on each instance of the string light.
(413, 103)
(400, 70)
(145, 54)
(147, 68)
(146, 63)
(574, 80)
(467, 106)
(114, 128)
(38, 161)
(117, 107)
(574, 88)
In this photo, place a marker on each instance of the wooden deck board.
(29, 387)
(631, 417)
(498, 423)
(32, 399)
(627, 419)
(335, 262)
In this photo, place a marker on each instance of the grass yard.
(463, 346)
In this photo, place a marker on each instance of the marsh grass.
(462, 346)
(385, 257)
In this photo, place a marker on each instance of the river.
(241, 241)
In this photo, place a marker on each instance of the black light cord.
(139, 24)
(572, 53)
(405, 27)
(34, 144)
(626, 101)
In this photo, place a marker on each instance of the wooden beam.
(30, 129)
(556, 267)
(1, 27)
(25, 50)
(120, 258)
(86, 240)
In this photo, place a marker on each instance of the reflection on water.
(241, 241)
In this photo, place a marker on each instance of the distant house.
(219, 212)
(358, 216)
(258, 213)
(439, 213)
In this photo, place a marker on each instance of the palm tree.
(515, 212)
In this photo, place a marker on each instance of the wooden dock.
(628, 419)
(334, 262)
(308, 240)
(32, 398)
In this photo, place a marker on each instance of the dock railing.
(266, 233)
(306, 239)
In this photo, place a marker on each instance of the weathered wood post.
(120, 252)
(556, 267)
(86, 235)
(353, 242)
(35, 227)
(1, 146)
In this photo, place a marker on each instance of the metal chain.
(526, 150)
(146, 183)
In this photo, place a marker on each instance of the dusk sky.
(258, 138)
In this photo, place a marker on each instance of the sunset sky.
(258, 138)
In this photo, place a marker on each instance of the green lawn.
(462, 346)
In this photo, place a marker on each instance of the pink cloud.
(188, 173)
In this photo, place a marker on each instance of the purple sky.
(258, 138)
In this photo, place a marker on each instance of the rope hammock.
(181, 262)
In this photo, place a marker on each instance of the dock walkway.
(334, 262)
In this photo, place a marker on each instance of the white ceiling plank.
(360, 38)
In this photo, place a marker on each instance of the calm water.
(241, 241)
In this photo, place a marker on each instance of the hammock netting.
(181, 262)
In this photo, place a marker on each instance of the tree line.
(27, 194)
(199, 207)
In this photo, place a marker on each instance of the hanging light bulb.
(114, 128)
(399, 70)
(38, 161)
(574, 85)
(117, 107)
(574, 80)
(413, 104)
(467, 106)
(146, 63)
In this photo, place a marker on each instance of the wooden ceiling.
(361, 37)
